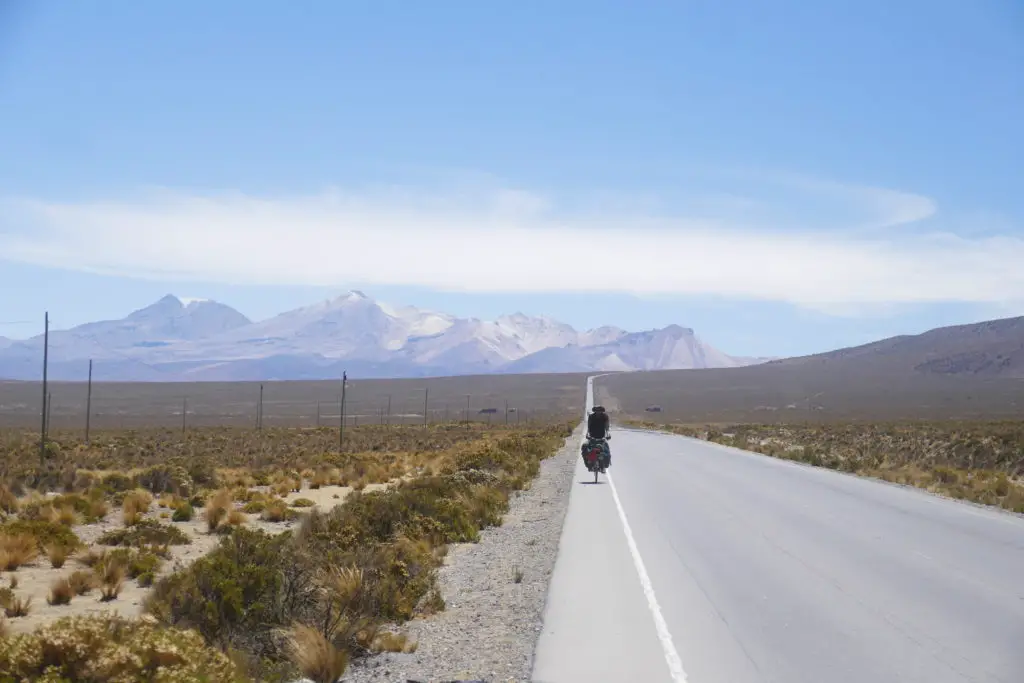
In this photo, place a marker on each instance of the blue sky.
(784, 177)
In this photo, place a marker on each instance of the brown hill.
(992, 348)
(966, 371)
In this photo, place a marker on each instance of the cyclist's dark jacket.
(598, 424)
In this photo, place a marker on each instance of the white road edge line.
(675, 664)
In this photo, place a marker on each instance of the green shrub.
(117, 482)
(302, 503)
(254, 507)
(232, 595)
(165, 479)
(44, 531)
(112, 649)
(183, 512)
(145, 532)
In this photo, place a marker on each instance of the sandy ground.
(34, 580)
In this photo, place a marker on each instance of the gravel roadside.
(494, 592)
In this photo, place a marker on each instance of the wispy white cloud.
(501, 240)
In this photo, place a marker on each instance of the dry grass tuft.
(275, 511)
(82, 582)
(61, 592)
(90, 557)
(111, 581)
(315, 656)
(15, 607)
(236, 518)
(394, 642)
(97, 509)
(17, 550)
(135, 505)
(67, 516)
(58, 554)
(8, 501)
(217, 509)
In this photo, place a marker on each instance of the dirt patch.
(34, 580)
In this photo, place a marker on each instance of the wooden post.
(88, 405)
(259, 412)
(46, 358)
(341, 420)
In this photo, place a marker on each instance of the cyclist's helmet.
(598, 409)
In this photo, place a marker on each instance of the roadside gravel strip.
(490, 624)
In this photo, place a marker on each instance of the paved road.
(764, 570)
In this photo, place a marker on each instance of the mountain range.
(192, 339)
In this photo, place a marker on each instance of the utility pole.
(259, 412)
(467, 411)
(49, 406)
(88, 405)
(46, 358)
(426, 393)
(341, 421)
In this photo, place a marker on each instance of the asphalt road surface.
(702, 563)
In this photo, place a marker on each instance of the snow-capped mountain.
(673, 347)
(167, 321)
(184, 339)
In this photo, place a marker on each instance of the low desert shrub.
(183, 512)
(276, 511)
(113, 649)
(158, 479)
(254, 507)
(145, 532)
(45, 532)
(231, 595)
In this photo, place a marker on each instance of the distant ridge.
(180, 339)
